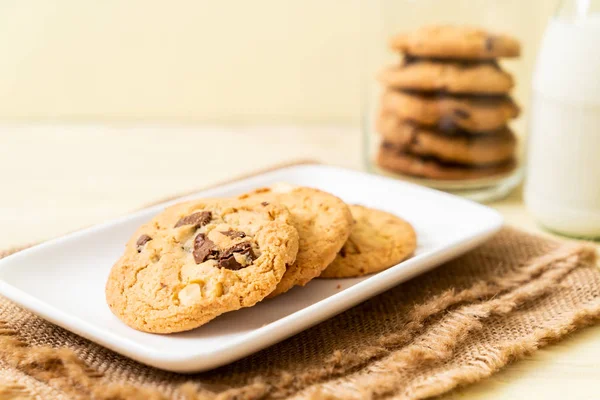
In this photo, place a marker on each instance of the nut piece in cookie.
(323, 222)
(378, 241)
(199, 259)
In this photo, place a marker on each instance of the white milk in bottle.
(563, 171)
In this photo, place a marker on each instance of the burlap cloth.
(452, 326)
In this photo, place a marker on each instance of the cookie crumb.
(338, 286)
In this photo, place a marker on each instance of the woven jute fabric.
(452, 326)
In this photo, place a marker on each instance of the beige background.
(233, 61)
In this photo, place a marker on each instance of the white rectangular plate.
(63, 280)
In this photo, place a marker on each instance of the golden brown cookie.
(449, 77)
(200, 259)
(323, 222)
(378, 241)
(454, 147)
(390, 159)
(462, 42)
(474, 114)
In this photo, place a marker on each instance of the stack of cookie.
(200, 259)
(446, 107)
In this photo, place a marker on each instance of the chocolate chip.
(142, 240)
(408, 59)
(462, 113)
(227, 259)
(489, 43)
(447, 125)
(234, 234)
(204, 249)
(265, 203)
(388, 145)
(230, 263)
(197, 219)
(393, 148)
(244, 248)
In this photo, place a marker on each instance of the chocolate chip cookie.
(200, 259)
(391, 159)
(463, 42)
(474, 114)
(378, 241)
(456, 146)
(323, 222)
(450, 77)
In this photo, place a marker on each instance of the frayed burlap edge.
(439, 343)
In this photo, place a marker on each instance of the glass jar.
(446, 84)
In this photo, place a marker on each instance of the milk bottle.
(563, 171)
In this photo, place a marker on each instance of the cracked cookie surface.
(323, 222)
(378, 241)
(199, 259)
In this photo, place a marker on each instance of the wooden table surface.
(59, 178)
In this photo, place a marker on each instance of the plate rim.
(251, 342)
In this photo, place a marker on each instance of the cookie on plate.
(448, 77)
(464, 42)
(391, 159)
(378, 241)
(200, 259)
(474, 114)
(323, 221)
(459, 147)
